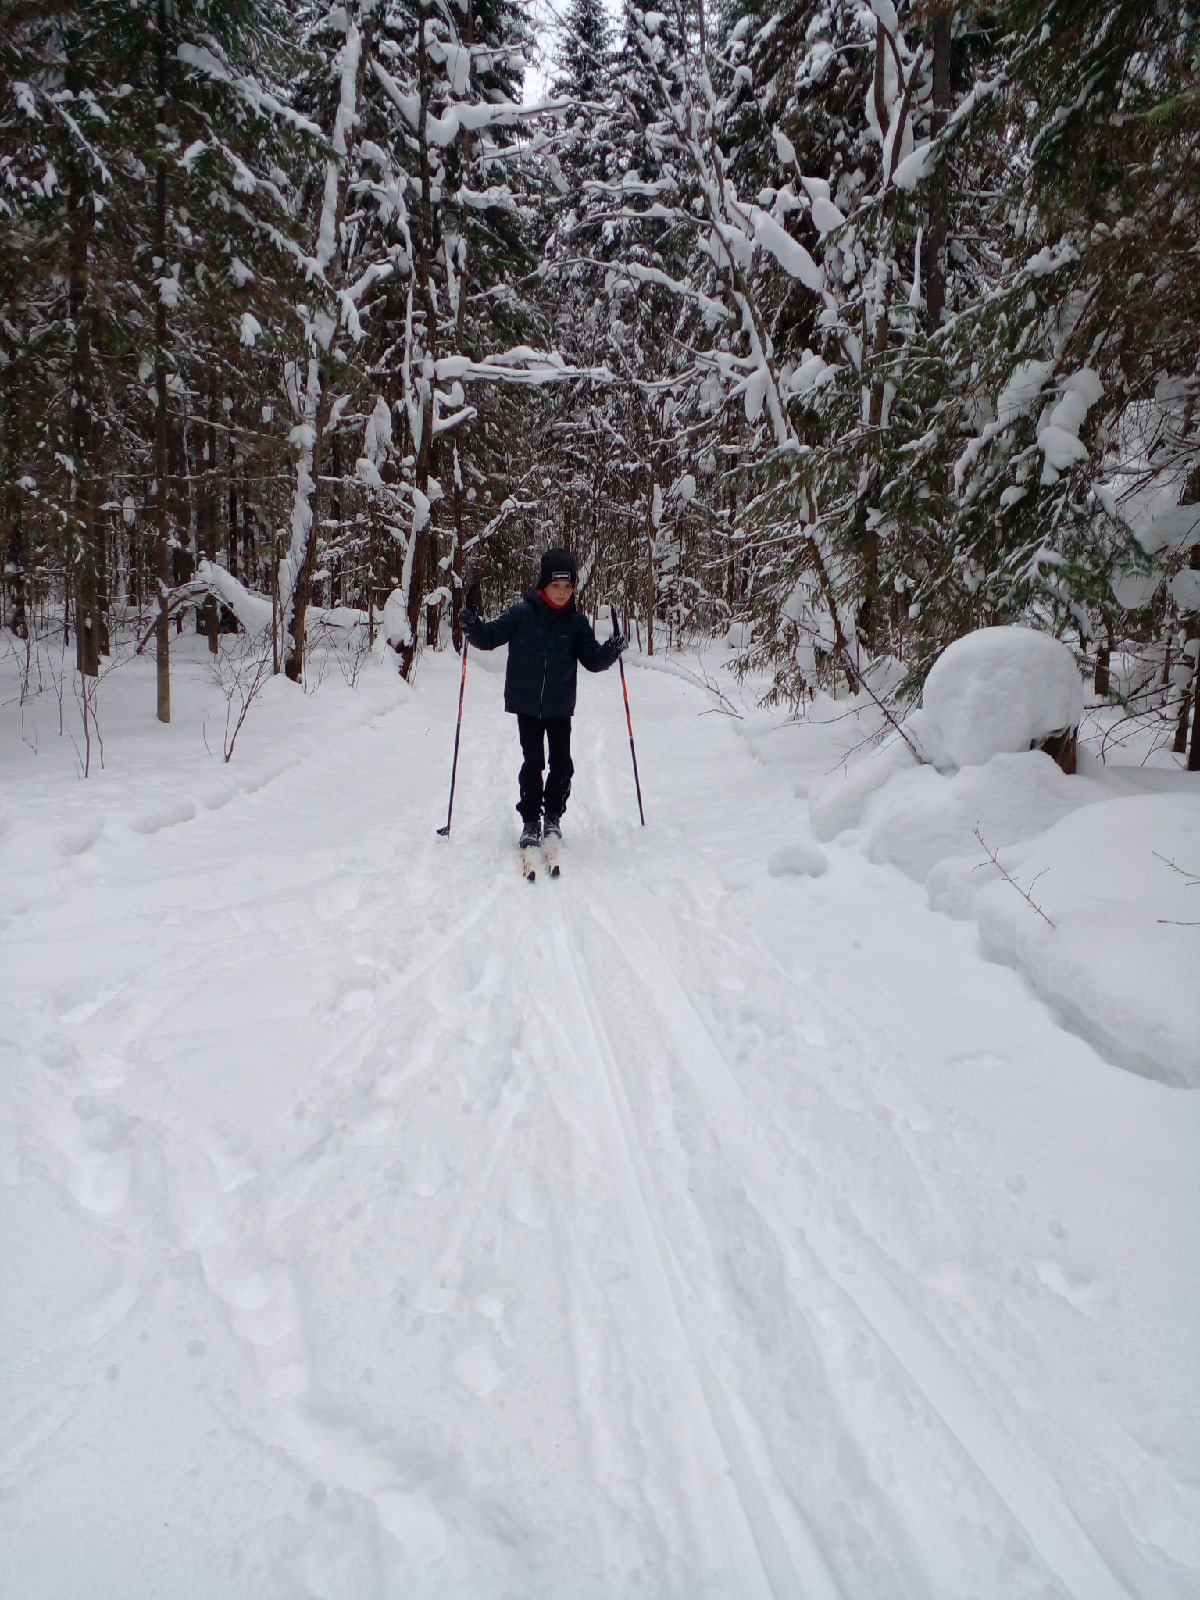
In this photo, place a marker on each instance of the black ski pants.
(536, 733)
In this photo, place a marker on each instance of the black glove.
(468, 616)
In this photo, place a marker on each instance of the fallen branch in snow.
(1184, 872)
(1008, 878)
(1193, 879)
(702, 680)
(852, 668)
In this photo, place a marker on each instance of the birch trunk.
(421, 390)
(300, 563)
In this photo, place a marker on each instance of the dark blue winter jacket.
(544, 646)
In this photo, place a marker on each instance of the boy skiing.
(547, 638)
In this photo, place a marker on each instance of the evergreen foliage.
(852, 327)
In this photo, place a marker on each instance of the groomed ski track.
(589, 1239)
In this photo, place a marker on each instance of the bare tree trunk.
(12, 547)
(651, 597)
(12, 524)
(455, 573)
(1102, 682)
(162, 529)
(867, 619)
(81, 544)
(231, 538)
(301, 592)
(247, 532)
(1189, 653)
(207, 513)
(418, 556)
(933, 249)
(302, 557)
(103, 595)
(275, 610)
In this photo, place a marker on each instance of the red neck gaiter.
(555, 605)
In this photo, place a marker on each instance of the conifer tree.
(1051, 427)
(169, 108)
(433, 235)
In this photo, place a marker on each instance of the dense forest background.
(844, 326)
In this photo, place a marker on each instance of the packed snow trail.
(678, 1229)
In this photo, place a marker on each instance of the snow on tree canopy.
(999, 690)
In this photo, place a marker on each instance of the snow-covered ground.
(776, 1205)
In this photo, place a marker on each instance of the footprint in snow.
(94, 1139)
(354, 996)
(61, 1056)
(263, 1310)
(1077, 1289)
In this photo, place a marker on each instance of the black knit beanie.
(556, 564)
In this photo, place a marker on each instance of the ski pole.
(616, 622)
(462, 687)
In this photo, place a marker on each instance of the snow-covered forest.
(858, 325)
(798, 1197)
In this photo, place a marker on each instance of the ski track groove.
(513, 1093)
(752, 1542)
(735, 1500)
(1019, 1480)
(581, 1319)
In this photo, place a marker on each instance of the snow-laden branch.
(203, 58)
(735, 234)
(791, 255)
(632, 187)
(61, 111)
(460, 115)
(663, 280)
(522, 364)
(349, 297)
(251, 610)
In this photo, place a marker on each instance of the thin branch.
(1184, 872)
(1008, 878)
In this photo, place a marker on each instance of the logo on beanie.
(557, 566)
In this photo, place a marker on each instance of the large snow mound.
(1000, 689)
(1064, 878)
(1116, 945)
(927, 817)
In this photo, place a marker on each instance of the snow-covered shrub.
(1001, 690)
